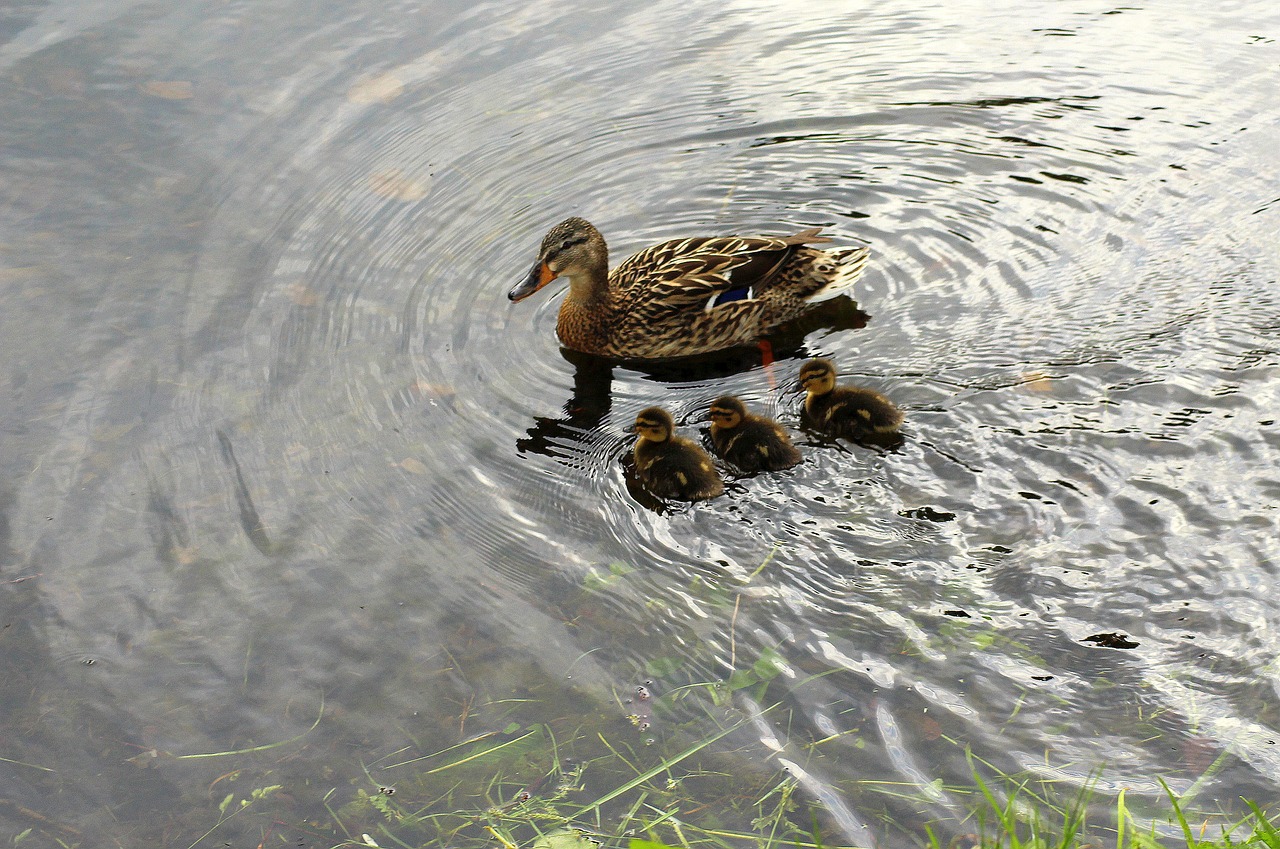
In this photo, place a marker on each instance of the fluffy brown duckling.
(750, 442)
(851, 412)
(671, 466)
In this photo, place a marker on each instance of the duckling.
(851, 412)
(671, 466)
(750, 442)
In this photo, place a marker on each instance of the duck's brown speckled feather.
(757, 444)
(853, 412)
(677, 469)
(661, 301)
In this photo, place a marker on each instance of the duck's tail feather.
(812, 236)
(849, 265)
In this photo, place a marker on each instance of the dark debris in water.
(641, 715)
(928, 514)
(958, 613)
(1111, 641)
(1066, 178)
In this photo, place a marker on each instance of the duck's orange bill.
(539, 276)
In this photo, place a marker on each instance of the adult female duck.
(686, 296)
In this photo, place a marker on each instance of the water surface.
(277, 448)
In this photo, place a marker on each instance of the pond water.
(286, 479)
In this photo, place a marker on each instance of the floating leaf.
(1037, 381)
(929, 514)
(68, 82)
(169, 89)
(1199, 753)
(565, 838)
(1111, 641)
(661, 667)
(637, 843)
(301, 295)
(28, 272)
(414, 466)
(427, 389)
(298, 450)
(381, 88)
(768, 666)
(394, 185)
(764, 670)
(113, 432)
(930, 729)
(147, 758)
(596, 580)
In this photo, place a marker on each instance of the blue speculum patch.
(742, 294)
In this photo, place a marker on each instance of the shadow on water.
(250, 521)
(592, 397)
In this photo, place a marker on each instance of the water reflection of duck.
(671, 466)
(686, 296)
(750, 442)
(583, 412)
(851, 412)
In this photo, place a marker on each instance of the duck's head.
(818, 376)
(654, 424)
(727, 412)
(573, 247)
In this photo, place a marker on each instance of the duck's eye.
(565, 245)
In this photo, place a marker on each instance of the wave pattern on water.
(363, 449)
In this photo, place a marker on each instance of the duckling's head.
(573, 248)
(818, 376)
(727, 412)
(654, 424)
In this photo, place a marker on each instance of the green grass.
(693, 773)
(482, 795)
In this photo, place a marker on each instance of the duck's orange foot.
(766, 359)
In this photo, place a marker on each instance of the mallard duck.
(844, 411)
(750, 442)
(671, 466)
(687, 296)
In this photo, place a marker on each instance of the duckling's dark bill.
(539, 276)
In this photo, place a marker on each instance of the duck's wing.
(706, 272)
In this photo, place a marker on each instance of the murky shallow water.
(276, 446)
